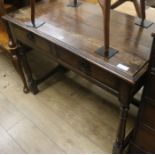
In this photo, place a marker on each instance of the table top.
(80, 30)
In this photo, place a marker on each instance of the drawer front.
(89, 69)
(148, 116)
(145, 139)
(34, 41)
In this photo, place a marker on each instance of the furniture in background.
(70, 37)
(7, 44)
(143, 140)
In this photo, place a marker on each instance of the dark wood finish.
(143, 140)
(71, 37)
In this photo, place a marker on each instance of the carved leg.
(125, 97)
(31, 82)
(119, 144)
(18, 66)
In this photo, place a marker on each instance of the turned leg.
(18, 66)
(31, 82)
(119, 143)
(125, 98)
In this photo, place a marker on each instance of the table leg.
(16, 60)
(125, 98)
(31, 82)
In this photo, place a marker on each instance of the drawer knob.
(30, 36)
(84, 66)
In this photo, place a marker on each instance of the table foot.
(26, 90)
(101, 51)
(33, 87)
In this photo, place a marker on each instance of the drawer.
(148, 116)
(87, 68)
(145, 139)
(33, 41)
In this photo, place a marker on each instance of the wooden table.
(142, 141)
(71, 37)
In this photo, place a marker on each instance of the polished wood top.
(80, 30)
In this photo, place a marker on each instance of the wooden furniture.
(143, 140)
(7, 43)
(71, 37)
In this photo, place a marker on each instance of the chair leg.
(16, 60)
